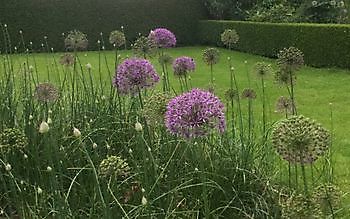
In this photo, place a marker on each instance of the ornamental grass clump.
(229, 37)
(12, 139)
(300, 140)
(76, 40)
(46, 92)
(162, 37)
(195, 114)
(113, 167)
(134, 75)
(117, 38)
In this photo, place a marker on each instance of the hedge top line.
(280, 24)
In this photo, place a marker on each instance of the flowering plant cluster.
(163, 38)
(183, 65)
(195, 114)
(135, 74)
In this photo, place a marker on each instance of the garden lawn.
(318, 90)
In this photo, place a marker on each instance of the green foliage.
(322, 44)
(52, 18)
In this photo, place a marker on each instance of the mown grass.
(319, 92)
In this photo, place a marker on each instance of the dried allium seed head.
(300, 206)
(67, 59)
(284, 105)
(117, 38)
(114, 166)
(328, 198)
(76, 40)
(290, 59)
(300, 140)
(165, 59)
(262, 69)
(12, 139)
(231, 94)
(144, 47)
(248, 93)
(46, 92)
(211, 56)
(229, 37)
(154, 108)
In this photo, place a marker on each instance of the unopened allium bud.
(138, 127)
(25, 156)
(76, 132)
(44, 127)
(5, 25)
(144, 200)
(49, 120)
(8, 167)
(143, 190)
(39, 190)
(49, 169)
(94, 145)
(30, 117)
(88, 66)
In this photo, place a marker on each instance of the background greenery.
(52, 18)
(322, 44)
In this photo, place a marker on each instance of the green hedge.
(323, 44)
(38, 18)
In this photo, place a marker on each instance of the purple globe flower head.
(183, 65)
(162, 37)
(195, 114)
(135, 74)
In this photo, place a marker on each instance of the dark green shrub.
(38, 18)
(322, 44)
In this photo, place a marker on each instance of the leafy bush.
(322, 44)
(52, 18)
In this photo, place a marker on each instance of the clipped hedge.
(324, 45)
(38, 18)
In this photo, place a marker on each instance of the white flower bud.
(39, 190)
(94, 145)
(5, 25)
(25, 156)
(88, 66)
(143, 190)
(144, 200)
(44, 127)
(76, 132)
(49, 120)
(30, 117)
(138, 127)
(20, 32)
(49, 169)
(8, 167)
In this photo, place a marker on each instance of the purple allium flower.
(183, 65)
(162, 37)
(135, 74)
(195, 114)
